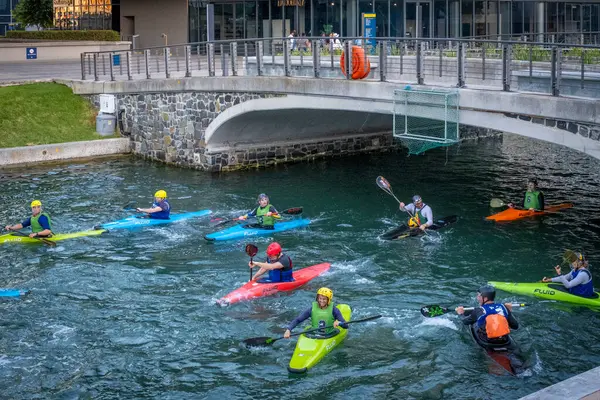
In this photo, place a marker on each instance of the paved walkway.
(32, 70)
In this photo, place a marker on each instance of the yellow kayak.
(17, 238)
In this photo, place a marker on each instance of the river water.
(132, 314)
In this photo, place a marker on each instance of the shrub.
(106, 36)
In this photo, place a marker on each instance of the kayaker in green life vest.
(40, 222)
(533, 199)
(421, 214)
(265, 213)
(579, 280)
(323, 314)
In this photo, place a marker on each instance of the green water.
(132, 314)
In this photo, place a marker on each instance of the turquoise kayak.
(13, 292)
(549, 291)
(249, 230)
(138, 221)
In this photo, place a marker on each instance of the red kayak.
(253, 289)
(512, 214)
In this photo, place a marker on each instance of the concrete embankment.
(584, 386)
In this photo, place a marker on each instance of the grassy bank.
(44, 113)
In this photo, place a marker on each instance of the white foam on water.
(441, 322)
(363, 281)
(344, 225)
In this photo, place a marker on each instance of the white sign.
(107, 103)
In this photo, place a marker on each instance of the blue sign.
(31, 53)
(369, 23)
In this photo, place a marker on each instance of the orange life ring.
(361, 66)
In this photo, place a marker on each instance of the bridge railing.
(551, 68)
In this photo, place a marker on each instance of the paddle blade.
(383, 184)
(259, 341)
(434, 310)
(293, 211)
(497, 203)
(251, 250)
(569, 257)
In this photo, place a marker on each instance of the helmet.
(36, 203)
(161, 194)
(325, 292)
(416, 199)
(274, 249)
(262, 196)
(533, 180)
(487, 291)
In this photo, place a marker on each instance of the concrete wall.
(55, 50)
(153, 17)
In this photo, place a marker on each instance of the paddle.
(266, 341)
(497, 203)
(45, 241)
(220, 221)
(386, 187)
(435, 310)
(251, 250)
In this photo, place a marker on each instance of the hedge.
(106, 36)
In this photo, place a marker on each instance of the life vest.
(162, 214)
(494, 319)
(322, 318)
(585, 290)
(261, 215)
(282, 274)
(415, 221)
(35, 223)
(532, 200)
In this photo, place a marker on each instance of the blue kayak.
(13, 292)
(248, 230)
(137, 221)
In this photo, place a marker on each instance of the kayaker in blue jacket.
(161, 209)
(421, 213)
(322, 313)
(493, 320)
(533, 199)
(40, 222)
(579, 280)
(278, 264)
(265, 213)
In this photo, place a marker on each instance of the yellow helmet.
(36, 203)
(161, 193)
(325, 292)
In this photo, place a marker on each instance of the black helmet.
(487, 291)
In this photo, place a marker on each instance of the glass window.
(439, 19)
(480, 30)
(396, 19)
(381, 9)
(454, 19)
(529, 9)
(492, 19)
(505, 20)
(517, 18)
(5, 7)
(250, 18)
(467, 18)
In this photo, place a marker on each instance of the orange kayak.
(512, 214)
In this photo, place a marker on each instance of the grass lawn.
(44, 113)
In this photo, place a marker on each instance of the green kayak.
(549, 291)
(310, 350)
(12, 238)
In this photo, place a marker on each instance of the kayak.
(248, 230)
(549, 291)
(403, 231)
(311, 349)
(506, 355)
(11, 237)
(138, 221)
(513, 214)
(254, 289)
(13, 292)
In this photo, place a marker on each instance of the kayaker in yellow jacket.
(40, 222)
(323, 314)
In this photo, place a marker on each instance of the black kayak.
(403, 231)
(506, 355)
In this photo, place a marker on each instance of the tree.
(34, 12)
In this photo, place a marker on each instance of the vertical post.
(506, 66)
(582, 66)
(111, 59)
(316, 49)
(224, 66)
(419, 63)
(129, 74)
(530, 63)
(82, 66)
(331, 51)
(483, 49)
(246, 54)
(441, 59)
(383, 60)
(211, 59)
(96, 66)
(147, 59)
(166, 52)
(348, 59)
(460, 70)
(402, 58)
(233, 51)
(188, 61)
(286, 57)
(259, 57)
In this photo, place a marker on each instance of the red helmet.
(274, 249)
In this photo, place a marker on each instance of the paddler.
(265, 213)
(421, 213)
(492, 320)
(533, 199)
(579, 280)
(322, 314)
(278, 264)
(160, 208)
(40, 222)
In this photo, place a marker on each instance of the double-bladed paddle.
(497, 203)
(220, 221)
(45, 241)
(251, 250)
(435, 310)
(267, 341)
(387, 187)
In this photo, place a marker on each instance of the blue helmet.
(416, 198)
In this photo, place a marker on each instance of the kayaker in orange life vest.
(278, 264)
(40, 222)
(579, 280)
(421, 213)
(323, 314)
(493, 320)
(533, 199)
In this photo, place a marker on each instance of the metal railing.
(506, 65)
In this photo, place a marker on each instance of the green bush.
(105, 36)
